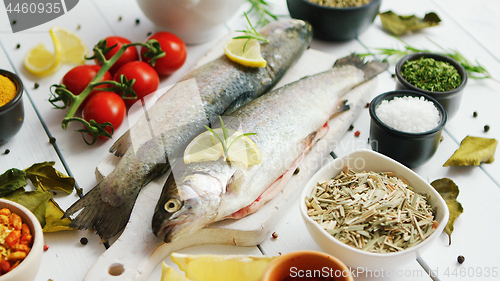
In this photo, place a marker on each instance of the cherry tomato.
(77, 79)
(129, 55)
(146, 79)
(105, 107)
(175, 53)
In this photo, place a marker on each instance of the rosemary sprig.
(225, 138)
(250, 33)
(475, 71)
(261, 9)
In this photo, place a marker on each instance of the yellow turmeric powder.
(7, 90)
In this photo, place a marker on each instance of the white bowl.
(28, 268)
(367, 160)
(194, 21)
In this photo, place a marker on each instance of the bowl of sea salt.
(406, 126)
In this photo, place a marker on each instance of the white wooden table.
(472, 27)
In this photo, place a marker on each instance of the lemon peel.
(245, 52)
(170, 274)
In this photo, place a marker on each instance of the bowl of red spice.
(21, 242)
(335, 20)
(307, 265)
(436, 75)
(11, 105)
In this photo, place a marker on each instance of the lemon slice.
(222, 267)
(207, 147)
(40, 61)
(170, 274)
(250, 56)
(72, 46)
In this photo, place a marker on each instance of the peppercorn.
(14, 22)
(137, 21)
(149, 34)
(36, 85)
(7, 151)
(460, 259)
(474, 114)
(52, 140)
(357, 133)
(351, 128)
(119, 18)
(367, 105)
(18, 46)
(486, 128)
(84, 240)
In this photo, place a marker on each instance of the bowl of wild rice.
(438, 76)
(406, 126)
(372, 212)
(335, 20)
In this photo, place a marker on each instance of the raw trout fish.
(157, 139)
(288, 122)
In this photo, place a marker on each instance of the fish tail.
(105, 219)
(371, 68)
(121, 145)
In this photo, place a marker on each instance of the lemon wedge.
(207, 147)
(170, 274)
(248, 55)
(72, 46)
(222, 267)
(68, 48)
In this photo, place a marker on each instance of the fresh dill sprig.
(261, 9)
(475, 71)
(250, 33)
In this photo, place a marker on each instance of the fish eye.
(172, 205)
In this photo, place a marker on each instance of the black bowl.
(450, 100)
(410, 149)
(12, 113)
(334, 24)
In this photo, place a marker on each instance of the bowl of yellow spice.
(435, 75)
(11, 105)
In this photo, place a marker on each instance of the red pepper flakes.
(357, 133)
(275, 235)
(45, 247)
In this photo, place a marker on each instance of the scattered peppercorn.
(357, 133)
(18, 46)
(460, 259)
(149, 34)
(36, 85)
(367, 105)
(84, 240)
(351, 128)
(14, 22)
(45, 247)
(474, 114)
(486, 128)
(7, 151)
(52, 140)
(137, 21)
(296, 171)
(393, 75)
(275, 235)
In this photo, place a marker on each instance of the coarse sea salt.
(409, 114)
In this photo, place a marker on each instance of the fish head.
(186, 206)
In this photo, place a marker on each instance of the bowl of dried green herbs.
(372, 212)
(438, 76)
(335, 20)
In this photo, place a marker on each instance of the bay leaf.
(449, 191)
(399, 24)
(473, 151)
(53, 219)
(35, 201)
(45, 176)
(11, 180)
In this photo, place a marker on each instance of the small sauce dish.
(12, 113)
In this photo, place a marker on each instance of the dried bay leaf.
(399, 25)
(11, 180)
(449, 191)
(44, 175)
(53, 219)
(35, 201)
(473, 151)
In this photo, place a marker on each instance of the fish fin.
(235, 182)
(105, 219)
(371, 68)
(121, 145)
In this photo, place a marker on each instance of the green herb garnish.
(250, 33)
(261, 9)
(431, 75)
(475, 71)
(225, 138)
